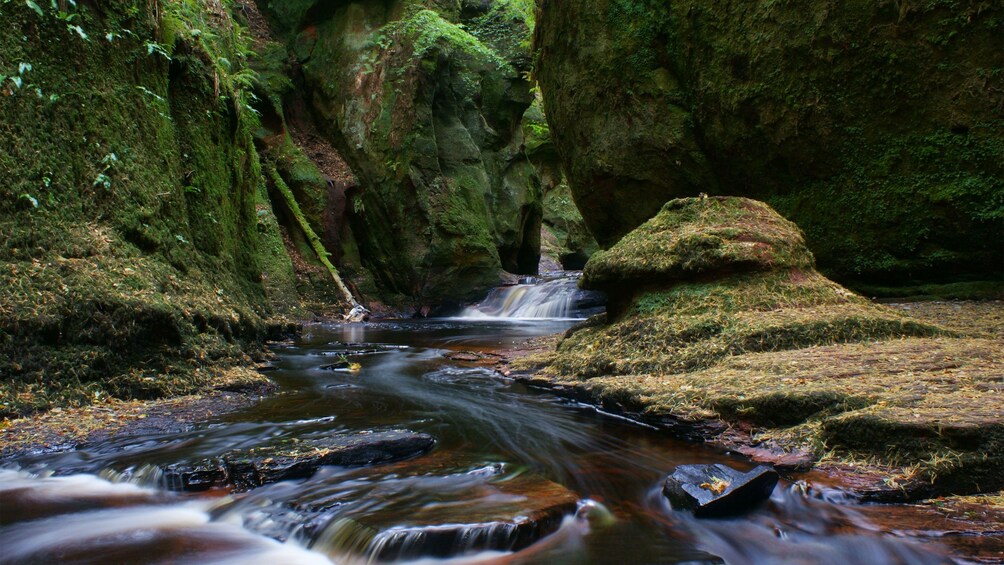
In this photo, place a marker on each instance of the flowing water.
(554, 298)
(106, 502)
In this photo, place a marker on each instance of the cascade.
(554, 298)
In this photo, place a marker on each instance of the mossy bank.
(137, 230)
(719, 320)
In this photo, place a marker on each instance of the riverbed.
(502, 450)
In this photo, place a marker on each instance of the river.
(106, 503)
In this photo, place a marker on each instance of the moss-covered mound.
(718, 313)
(424, 99)
(136, 230)
(876, 126)
(694, 238)
(709, 278)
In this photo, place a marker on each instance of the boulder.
(717, 490)
(702, 237)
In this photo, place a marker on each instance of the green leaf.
(79, 31)
(31, 199)
(34, 6)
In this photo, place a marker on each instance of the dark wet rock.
(194, 477)
(342, 365)
(295, 459)
(794, 460)
(472, 356)
(505, 515)
(717, 490)
(292, 459)
(587, 299)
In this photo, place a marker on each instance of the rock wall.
(424, 100)
(565, 240)
(877, 126)
(137, 232)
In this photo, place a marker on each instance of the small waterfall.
(552, 298)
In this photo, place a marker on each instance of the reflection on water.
(499, 447)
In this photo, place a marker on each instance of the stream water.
(105, 503)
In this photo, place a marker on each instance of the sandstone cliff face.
(424, 100)
(877, 126)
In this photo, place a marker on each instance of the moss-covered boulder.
(711, 277)
(424, 100)
(697, 238)
(876, 126)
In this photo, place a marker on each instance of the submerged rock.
(295, 459)
(493, 515)
(718, 490)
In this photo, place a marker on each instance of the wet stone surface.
(718, 490)
(295, 459)
(495, 515)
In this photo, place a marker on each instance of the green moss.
(429, 32)
(858, 115)
(132, 263)
(426, 115)
(699, 237)
(316, 245)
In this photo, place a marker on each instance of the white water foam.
(553, 299)
(136, 518)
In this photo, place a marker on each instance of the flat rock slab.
(506, 515)
(296, 459)
(718, 490)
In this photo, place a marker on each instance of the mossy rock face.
(884, 117)
(565, 237)
(131, 255)
(692, 238)
(423, 100)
